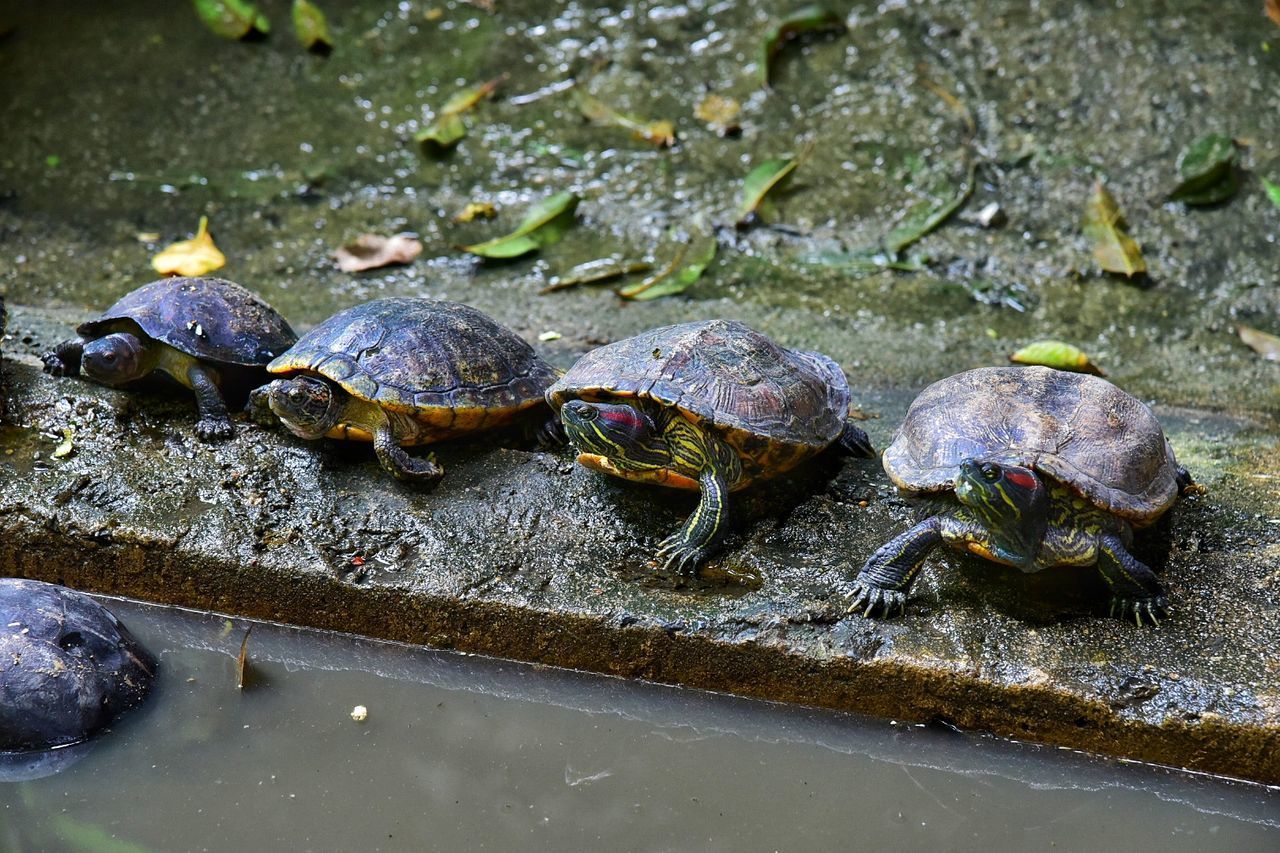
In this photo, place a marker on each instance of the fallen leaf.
(311, 27)
(476, 210)
(759, 182)
(371, 251)
(661, 133)
(923, 218)
(448, 130)
(1272, 8)
(1104, 226)
(196, 256)
(809, 19)
(720, 114)
(1208, 171)
(66, 446)
(1265, 345)
(596, 272)
(147, 236)
(685, 269)
(1273, 190)
(550, 335)
(465, 99)
(242, 661)
(544, 224)
(1058, 355)
(359, 713)
(232, 19)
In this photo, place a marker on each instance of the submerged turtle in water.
(68, 667)
(404, 371)
(1034, 468)
(708, 406)
(208, 334)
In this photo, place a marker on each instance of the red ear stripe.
(1018, 478)
(623, 417)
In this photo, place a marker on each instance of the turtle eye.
(587, 413)
(990, 473)
(109, 357)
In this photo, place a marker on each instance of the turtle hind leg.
(853, 440)
(400, 464)
(697, 538)
(64, 359)
(1136, 592)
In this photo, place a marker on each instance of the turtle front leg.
(64, 359)
(215, 420)
(854, 441)
(550, 433)
(400, 464)
(1136, 592)
(698, 536)
(881, 587)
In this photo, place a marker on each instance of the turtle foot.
(54, 365)
(1141, 611)
(867, 599)
(214, 429)
(259, 407)
(422, 471)
(677, 555)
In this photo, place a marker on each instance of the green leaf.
(1273, 191)
(759, 182)
(597, 271)
(1104, 226)
(311, 27)
(808, 19)
(78, 836)
(925, 217)
(544, 224)
(232, 19)
(661, 133)
(465, 99)
(443, 133)
(1208, 171)
(1059, 355)
(687, 267)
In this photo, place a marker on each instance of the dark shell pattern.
(772, 404)
(413, 354)
(210, 318)
(1080, 429)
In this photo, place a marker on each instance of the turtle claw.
(1143, 611)
(867, 599)
(214, 429)
(53, 365)
(678, 555)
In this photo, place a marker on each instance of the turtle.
(711, 406)
(1034, 468)
(405, 371)
(209, 334)
(68, 666)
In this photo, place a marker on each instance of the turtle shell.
(210, 318)
(1079, 429)
(774, 405)
(420, 355)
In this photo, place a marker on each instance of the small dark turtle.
(710, 406)
(67, 666)
(404, 371)
(1034, 468)
(209, 334)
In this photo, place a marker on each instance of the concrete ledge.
(526, 556)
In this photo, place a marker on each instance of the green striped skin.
(1016, 517)
(640, 440)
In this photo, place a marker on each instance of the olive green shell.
(416, 355)
(775, 406)
(212, 319)
(1079, 429)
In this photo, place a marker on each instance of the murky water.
(461, 753)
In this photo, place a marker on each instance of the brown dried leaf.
(242, 661)
(371, 251)
(1272, 8)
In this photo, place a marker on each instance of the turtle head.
(115, 359)
(1011, 502)
(308, 406)
(625, 435)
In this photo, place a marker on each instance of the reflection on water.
(464, 753)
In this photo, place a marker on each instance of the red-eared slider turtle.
(1033, 468)
(404, 371)
(208, 334)
(67, 666)
(710, 406)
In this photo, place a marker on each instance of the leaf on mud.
(476, 210)
(720, 114)
(758, 184)
(311, 27)
(196, 256)
(448, 130)
(661, 133)
(597, 271)
(242, 661)
(1273, 189)
(1104, 226)
(67, 445)
(232, 19)
(1058, 355)
(1272, 8)
(808, 19)
(544, 224)
(923, 218)
(1208, 170)
(676, 277)
(371, 251)
(1265, 345)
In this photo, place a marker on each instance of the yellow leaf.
(1104, 226)
(1059, 355)
(196, 256)
(720, 113)
(476, 210)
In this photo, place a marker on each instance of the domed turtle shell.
(774, 405)
(1079, 429)
(210, 318)
(420, 356)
